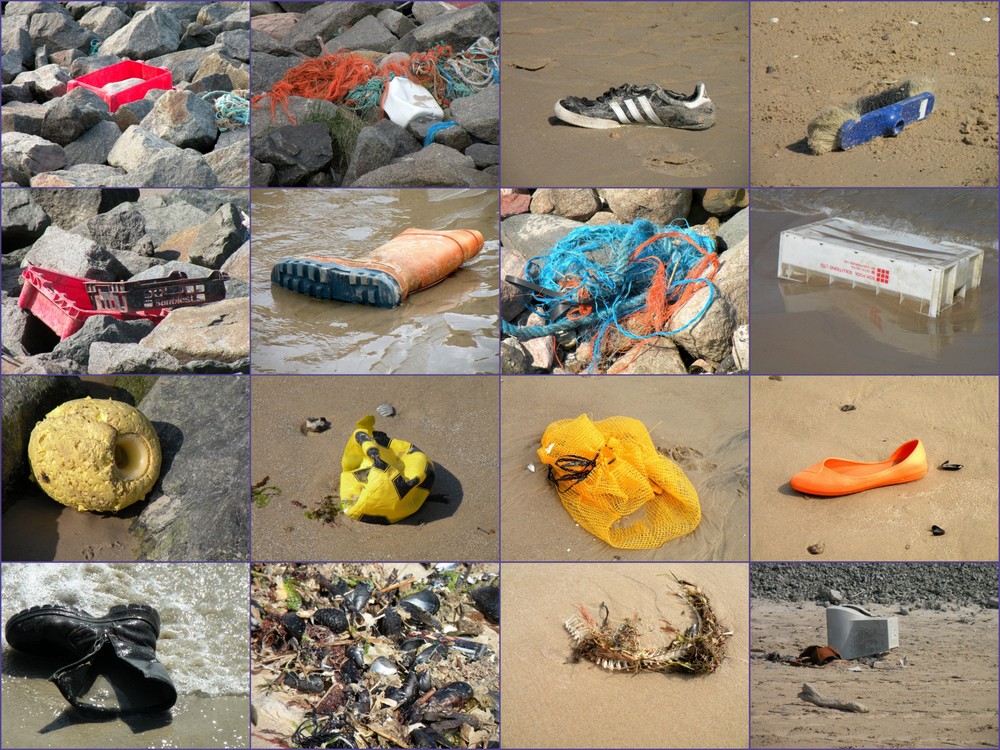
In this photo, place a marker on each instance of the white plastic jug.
(406, 101)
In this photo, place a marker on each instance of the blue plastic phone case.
(886, 121)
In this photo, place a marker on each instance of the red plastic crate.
(63, 302)
(152, 78)
(174, 290)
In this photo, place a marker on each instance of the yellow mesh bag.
(605, 471)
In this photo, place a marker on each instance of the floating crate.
(151, 77)
(934, 274)
(65, 302)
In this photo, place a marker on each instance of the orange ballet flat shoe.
(838, 476)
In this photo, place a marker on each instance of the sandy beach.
(556, 49)
(550, 702)
(946, 695)
(811, 56)
(702, 420)
(451, 419)
(797, 422)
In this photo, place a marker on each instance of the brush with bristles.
(825, 131)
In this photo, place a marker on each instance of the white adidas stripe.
(634, 115)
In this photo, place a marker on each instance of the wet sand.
(829, 54)
(556, 49)
(34, 717)
(550, 702)
(818, 328)
(450, 328)
(945, 697)
(707, 415)
(797, 422)
(451, 419)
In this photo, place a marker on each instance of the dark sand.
(946, 696)
(556, 49)
(708, 415)
(829, 54)
(451, 419)
(797, 422)
(550, 702)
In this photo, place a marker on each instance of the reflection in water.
(448, 328)
(818, 327)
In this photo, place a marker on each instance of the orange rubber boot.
(838, 476)
(409, 262)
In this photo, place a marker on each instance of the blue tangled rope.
(229, 108)
(594, 266)
(95, 47)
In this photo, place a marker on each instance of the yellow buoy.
(95, 455)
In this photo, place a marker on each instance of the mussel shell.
(358, 598)
(295, 626)
(433, 651)
(487, 600)
(312, 683)
(451, 697)
(424, 681)
(425, 601)
(391, 623)
(405, 694)
(356, 655)
(383, 666)
(331, 618)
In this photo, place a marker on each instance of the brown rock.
(217, 331)
(721, 201)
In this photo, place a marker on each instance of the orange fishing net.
(606, 472)
(332, 77)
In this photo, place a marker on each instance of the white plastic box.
(855, 632)
(934, 274)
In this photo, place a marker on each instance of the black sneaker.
(639, 105)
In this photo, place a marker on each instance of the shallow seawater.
(833, 329)
(203, 644)
(450, 328)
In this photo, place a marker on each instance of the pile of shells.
(366, 655)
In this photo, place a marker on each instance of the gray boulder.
(182, 64)
(123, 359)
(658, 205)
(297, 151)
(514, 358)
(16, 39)
(425, 174)
(186, 168)
(163, 270)
(325, 21)
(230, 163)
(163, 218)
(512, 298)
(484, 154)
(104, 21)
(26, 400)
(578, 204)
(68, 208)
(267, 70)
(24, 117)
(72, 115)
(396, 22)
(218, 238)
(534, 234)
(31, 154)
(11, 66)
(150, 33)
(367, 34)
(46, 82)
(118, 231)
(79, 175)
(215, 330)
(138, 147)
(736, 229)
(83, 65)
(200, 506)
(184, 119)
(24, 220)
(261, 174)
(377, 145)
(217, 63)
(479, 114)
(441, 156)
(459, 29)
(237, 44)
(100, 328)
(72, 254)
(57, 31)
(94, 146)
(238, 264)
(132, 113)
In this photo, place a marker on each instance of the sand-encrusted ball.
(95, 455)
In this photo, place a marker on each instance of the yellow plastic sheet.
(381, 477)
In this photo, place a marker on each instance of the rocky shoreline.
(55, 137)
(114, 235)
(923, 585)
(318, 143)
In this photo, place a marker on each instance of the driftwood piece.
(811, 695)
